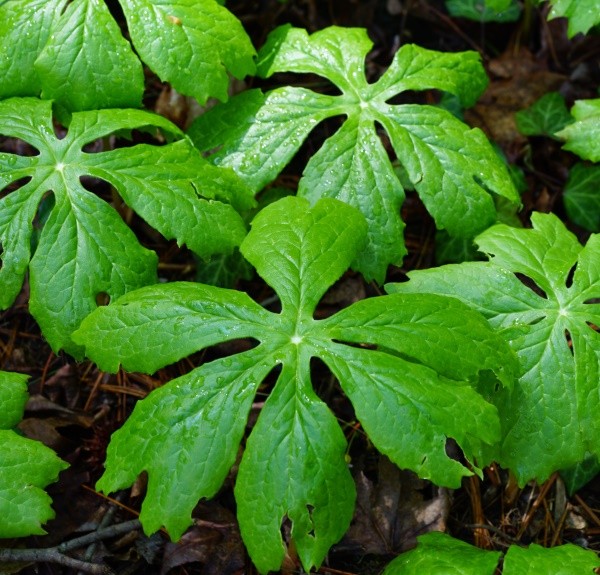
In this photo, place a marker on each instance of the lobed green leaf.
(193, 45)
(582, 14)
(86, 63)
(439, 553)
(293, 470)
(257, 135)
(583, 135)
(548, 422)
(26, 466)
(84, 248)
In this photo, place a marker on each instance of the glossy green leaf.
(582, 14)
(583, 135)
(86, 63)
(193, 45)
(452, 167)
(562, 560)
(439, 554)
(26, 466)
(85, 249)
(550, 420)
(545, 117)
(25, 26)
(582, 196)
(485, 10)
(186, 434)
(75, 53)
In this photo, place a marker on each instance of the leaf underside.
(410, 393)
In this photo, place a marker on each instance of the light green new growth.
(411, 393)
(550, 420)
(452, 167)
(84, 248)
(583, 135)
(76, 55)
(582, 14)
(26, 466)
(440, 554)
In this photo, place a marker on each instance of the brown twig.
(57, 554)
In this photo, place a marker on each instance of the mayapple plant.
(410, 365)
(75, 53)
(453, 168)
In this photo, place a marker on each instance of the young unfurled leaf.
(582, 14)
(85, 248)
(411, 394)
(583, 135)
(545, 117)
(439, 554)
(452, 167)
(582, 196)
(76, 55)
(26, 466)
(550, 319)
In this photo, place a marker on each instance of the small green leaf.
(25, 27)
(193, 45)
(186, 434)
(549, 421)
(85, 248)
(583, 135)
(562, 560)
(582, 14)
(26, 467)
(452, 167)
(485, 10)
(86, 63)
(438, 553)
(582, 196)
(13, 392)
(545, 117)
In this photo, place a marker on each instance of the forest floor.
(74, 408)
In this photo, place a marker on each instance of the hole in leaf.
(593, 326)
(286, 528)
(454, 451)
(96, 186)
(310, 509)
(13, 186)
(569, 280)
(569, 341)
(537, 320)
(592, 300)
(102, 298)
(528, 282)
(18, 147)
